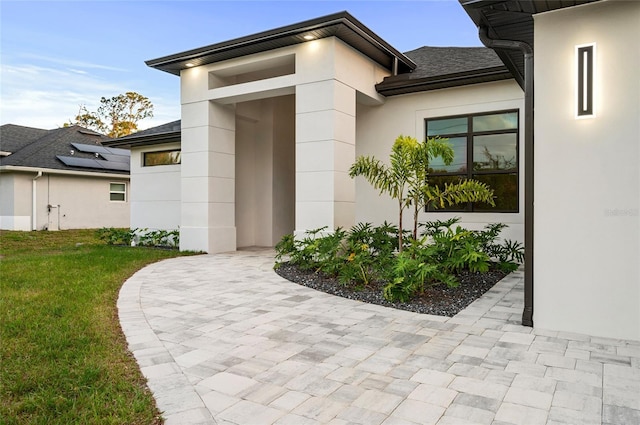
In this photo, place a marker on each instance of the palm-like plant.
(406, 180)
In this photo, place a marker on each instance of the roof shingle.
(33, 147)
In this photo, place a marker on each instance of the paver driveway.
(223, 339)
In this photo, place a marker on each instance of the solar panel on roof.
(115, 158)
(95, 164)
(89, 148)
(73, 161)
(116, 151)
(112, 165)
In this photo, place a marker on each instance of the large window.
(150, 159)
(118, 192)
(486, 149)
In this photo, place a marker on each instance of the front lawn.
(63, 357)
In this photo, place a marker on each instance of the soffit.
(341, 25)
(513, 20)
(146, 140)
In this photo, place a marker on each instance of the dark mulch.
(439, 300)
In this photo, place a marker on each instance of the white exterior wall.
(327, 78)
(379, 126)
(587, 174)
(155, 191)
(78, 202)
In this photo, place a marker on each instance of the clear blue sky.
(55, 56)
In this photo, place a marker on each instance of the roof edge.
(394, 88)
(19, 168)
(129, 142)
(263, 41)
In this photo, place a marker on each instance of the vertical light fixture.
(585, 68)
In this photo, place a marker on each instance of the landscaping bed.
(439, 300)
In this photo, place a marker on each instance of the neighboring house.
(61, 179)
(272, 122)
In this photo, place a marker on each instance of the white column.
(325, 149)
(208, 178)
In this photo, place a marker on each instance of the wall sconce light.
(585, 68)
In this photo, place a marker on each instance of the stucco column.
(208, 177)
(325, 149)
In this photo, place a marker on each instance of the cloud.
(71, 63)
(45, 97)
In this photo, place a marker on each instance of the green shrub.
(414, 269)
(141, 237)
(158, 238)
(367, 254)
(474, 250)
(116, 236)
(370, 253)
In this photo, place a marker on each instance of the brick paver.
(222, 339)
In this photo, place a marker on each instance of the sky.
(56, 56)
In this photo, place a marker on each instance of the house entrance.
(265, 171)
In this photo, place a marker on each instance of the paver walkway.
(222, 339)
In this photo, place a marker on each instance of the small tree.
(117, 116)
(406, 180)
(392, 179)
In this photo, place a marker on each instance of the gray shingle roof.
(435, 61)
(15, 137)
(39, 148)
(441, 67)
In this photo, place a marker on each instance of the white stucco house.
(548, 114)
(61, 179)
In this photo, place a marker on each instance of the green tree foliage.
(117, 116)
(405, 179)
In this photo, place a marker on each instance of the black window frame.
(144, 157)
(469, 173)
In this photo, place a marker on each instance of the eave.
(129, 142)
(21, 169)
(512, 20)
(341, 25)
(406, 86)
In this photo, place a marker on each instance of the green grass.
(63, 357)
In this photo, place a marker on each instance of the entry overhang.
(341, 25)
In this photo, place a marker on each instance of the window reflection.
(485, 149)
(459, 164)
(151, 159)
(447, 126)
(495, 152)
(506, 121)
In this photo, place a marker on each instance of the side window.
(486, 149)
(118, 192)
(151, 159)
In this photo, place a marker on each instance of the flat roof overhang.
(341, 25)
(406, 86)
(512, 20)
(134, 141)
